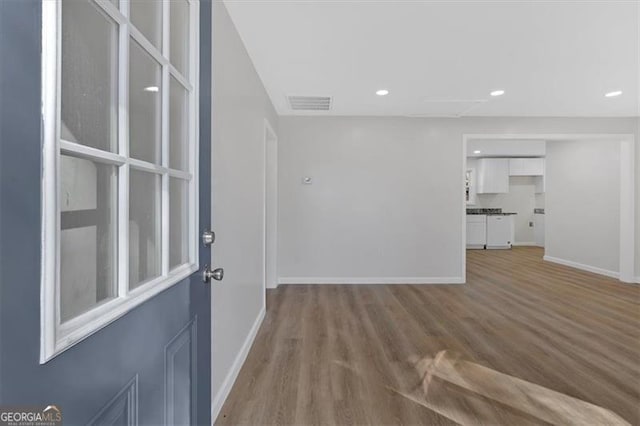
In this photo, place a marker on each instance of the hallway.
(521, 334)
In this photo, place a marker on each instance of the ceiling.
(442, 59)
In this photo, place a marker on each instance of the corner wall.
(240, 106)
(637, 193)
(582, 224)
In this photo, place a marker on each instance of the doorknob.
(217, 274)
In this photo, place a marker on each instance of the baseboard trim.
(530, 244)
(371, 280)
(232, 375)
(583, 267)
(475, 246)
(637, 280)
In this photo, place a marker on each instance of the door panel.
(179, 378)
(122, 409)
(152, 364)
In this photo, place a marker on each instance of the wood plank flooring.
(524, 342)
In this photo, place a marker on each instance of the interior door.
(151, 365)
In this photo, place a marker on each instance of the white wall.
(583, 203)
(240, 105)
(636, 128)
(386, 201)
(377, 207)
(520, 199)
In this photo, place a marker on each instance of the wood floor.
(524, 342)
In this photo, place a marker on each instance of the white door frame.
(270, 205)
(627, 191)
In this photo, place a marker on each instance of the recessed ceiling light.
(497, 93)
(614, 94)
(382, 92)
(151, 89)
(477, 151)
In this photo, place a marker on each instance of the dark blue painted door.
(151, 366)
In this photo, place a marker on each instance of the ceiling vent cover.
(310, 103)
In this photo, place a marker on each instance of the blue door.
(150, 364)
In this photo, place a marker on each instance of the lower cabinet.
(476, 231)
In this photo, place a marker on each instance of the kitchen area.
(504, 192)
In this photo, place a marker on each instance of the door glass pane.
(146, 15)
(178, 129)
(144, 227)
(179, 35)
(89, 77)
(145, 103)
(88, 232)
(178, 233)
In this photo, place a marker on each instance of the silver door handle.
(217, 274)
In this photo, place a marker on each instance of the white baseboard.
(371, 280)
(583, 267)
(475, 246)
(637, 280)
(530, 243)
(229, 380)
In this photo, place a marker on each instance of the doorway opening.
(270, 207)
(556, 185)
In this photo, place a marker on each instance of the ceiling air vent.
(310, 103)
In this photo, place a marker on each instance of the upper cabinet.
(526, 166)
(493, 175)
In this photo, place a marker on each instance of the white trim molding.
(270, 218)
(220, 397)
(49, 196)
(627, 211)
(524, 244)
(371, 280)
(582, 266)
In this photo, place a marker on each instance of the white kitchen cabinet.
(476, 231)
(526, 166)
(500, 230)
(493, 176)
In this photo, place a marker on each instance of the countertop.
(489, 212)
